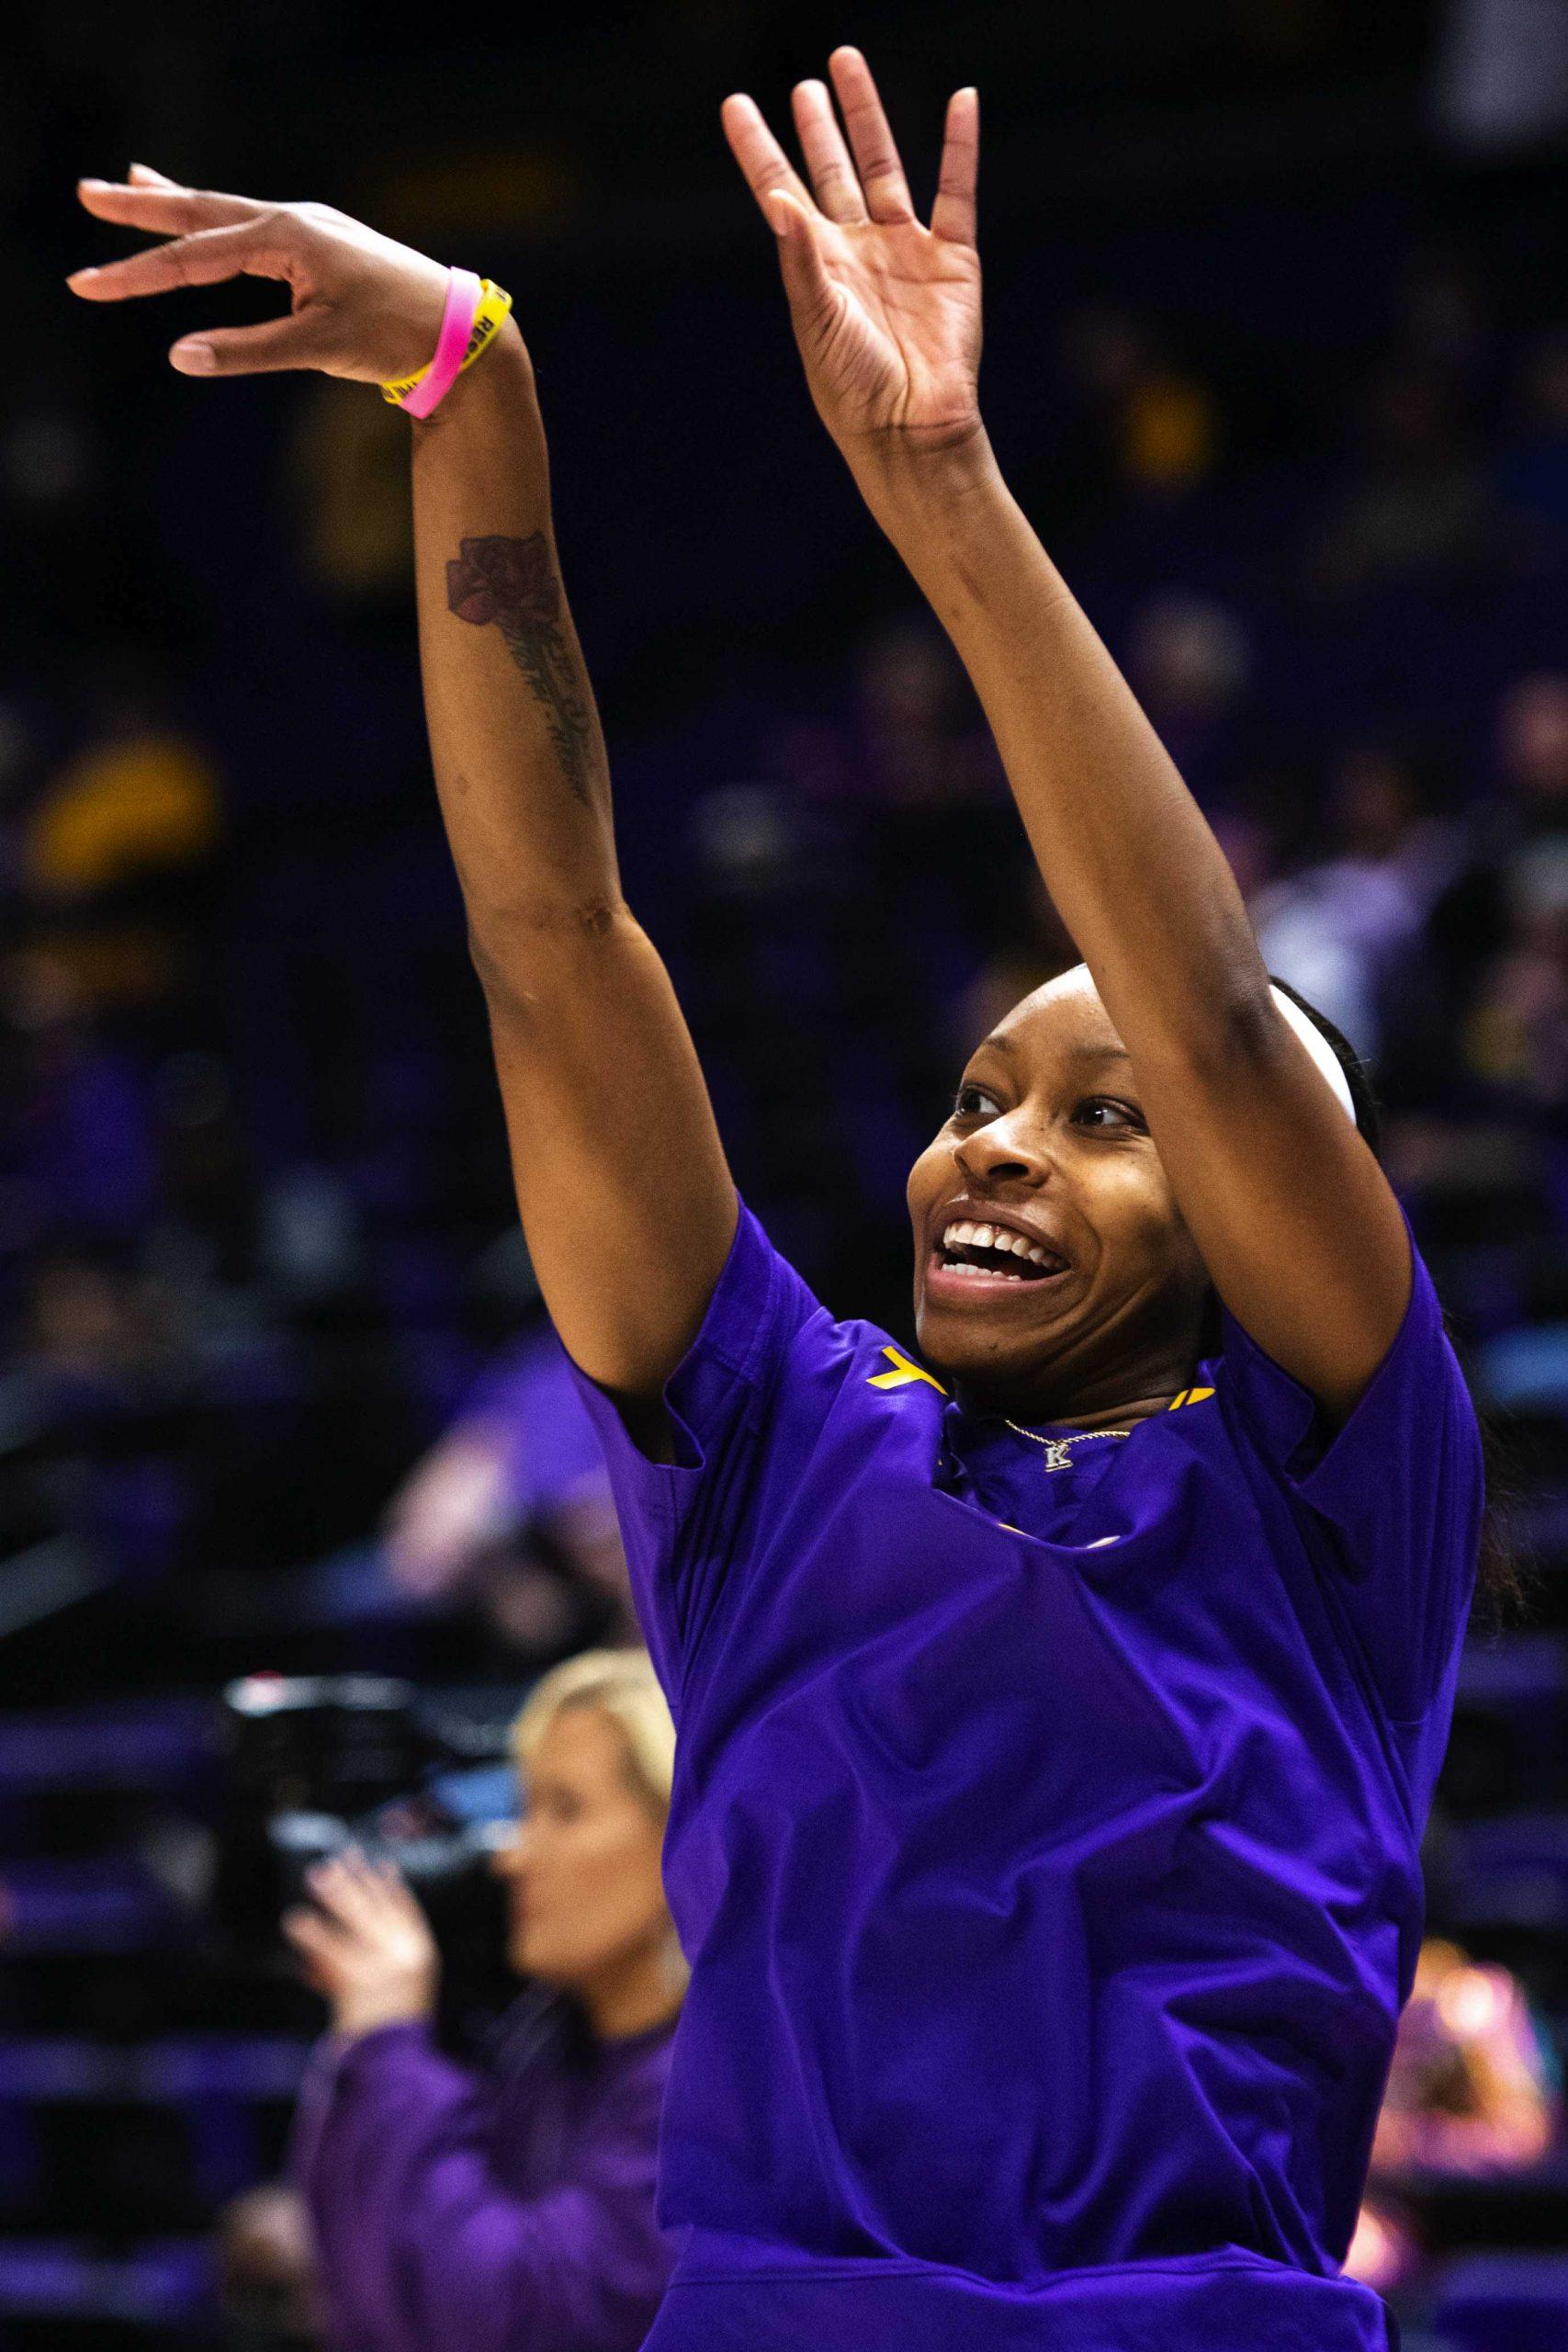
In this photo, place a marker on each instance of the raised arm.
(1295, 1222)
(628, 1204)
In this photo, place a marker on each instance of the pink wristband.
(456, 326)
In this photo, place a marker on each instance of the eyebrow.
(1004, 1044)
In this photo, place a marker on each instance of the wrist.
(504, 372)
(358, 2015)
(910, 489)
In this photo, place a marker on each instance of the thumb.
(293, 341)
(806, 282)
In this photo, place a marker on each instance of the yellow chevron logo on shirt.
(903, 1372)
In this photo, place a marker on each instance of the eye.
(1122, 1118)
(973, 1101)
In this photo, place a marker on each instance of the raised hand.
(366, 1945)
(360, 305)
(886, 312)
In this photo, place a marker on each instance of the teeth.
(964, 1235)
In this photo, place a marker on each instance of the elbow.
(1250, 1026)
(515, 947)
(1235, 1030)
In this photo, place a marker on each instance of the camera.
(313, 1763)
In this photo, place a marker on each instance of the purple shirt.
(507, 2211)
(1043, 1841)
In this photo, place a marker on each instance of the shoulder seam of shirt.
(745, 1368)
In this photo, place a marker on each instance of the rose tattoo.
(513, 583)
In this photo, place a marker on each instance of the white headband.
(1319, 1048)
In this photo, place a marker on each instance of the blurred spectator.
(512, 1508)
(479, 2208)
(266, 2272)
(1493, 929)
(1347, 930)
(1418, 502)
(1516, 1036)
(97, 1369)
(1533, 755)
(1471, 2088)
(1502, 72)
(920, 742)
(118, 837)
(93, 1330)
(1145, 425)
(138, 799)
(1471, 2091)
(1189, 664)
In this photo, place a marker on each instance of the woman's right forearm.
(626, 1201)
(515, 734)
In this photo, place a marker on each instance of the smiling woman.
(1059, 1706)
(1046, 1194)
(1108, 1327)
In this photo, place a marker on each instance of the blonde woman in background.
(510, 2207)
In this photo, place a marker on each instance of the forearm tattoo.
(513, 583)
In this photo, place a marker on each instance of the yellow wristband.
(494, 304)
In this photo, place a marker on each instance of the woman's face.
(582, 1869)
(1047, 1140)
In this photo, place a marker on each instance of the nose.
(1012, 1146)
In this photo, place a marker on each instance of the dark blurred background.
(1277, 364)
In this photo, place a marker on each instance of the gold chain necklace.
(1059, 1450)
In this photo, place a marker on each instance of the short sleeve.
(680, 1521)
(1400, 1485)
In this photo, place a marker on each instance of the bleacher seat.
(1504, 2303)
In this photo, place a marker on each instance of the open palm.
(886, 312)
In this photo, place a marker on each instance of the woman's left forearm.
(1134, 871)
